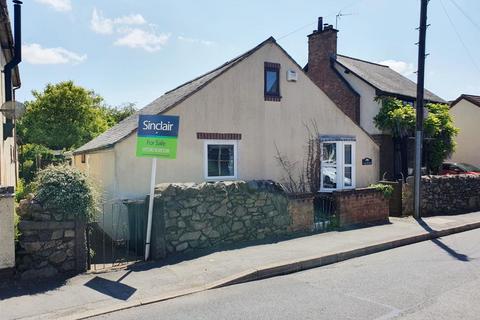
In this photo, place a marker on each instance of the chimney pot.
(320, 24)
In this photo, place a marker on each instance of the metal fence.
(117, 236)
(325, 217)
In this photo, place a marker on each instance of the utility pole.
(419, 107)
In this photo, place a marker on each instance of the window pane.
(213, 151)
(226, 152)
(226, 168)
(348, 154)
(329, 177)
(347, 179)
(213, 170)
(272, 82)
(329, 153)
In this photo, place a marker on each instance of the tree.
(398, 118)
(63, 116)
(114, 115)
(440, 128)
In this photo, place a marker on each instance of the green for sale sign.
(157, 136)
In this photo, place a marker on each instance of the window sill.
(272, 98)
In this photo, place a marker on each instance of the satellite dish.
(13, 109)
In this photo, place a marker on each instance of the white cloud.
(194, 40)
(402, 67)
(58, 5)
(139, 38)
(131, 19)
(100, 24)
(36, 54)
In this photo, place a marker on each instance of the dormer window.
(272, 81)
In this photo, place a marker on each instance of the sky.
(131, 51)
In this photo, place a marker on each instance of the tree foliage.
(63, 116)
(398, 118)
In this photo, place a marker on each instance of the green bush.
(16, 221)
(386, 189)
(66, 190)
(22, 190)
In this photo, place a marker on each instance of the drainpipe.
(16, 59)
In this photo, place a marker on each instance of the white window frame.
(340, 166)
(206, 143)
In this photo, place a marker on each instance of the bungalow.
(465, 111)
(353, 84)
(233, 122)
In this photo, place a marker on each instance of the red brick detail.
(219, 136)
(322, 48)
(272, 65)
(361, 206)
(272, 98)
(301, 210)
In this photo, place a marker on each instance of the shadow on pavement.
(16, 288)
(114, 289)
(443, 246)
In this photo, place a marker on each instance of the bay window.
(337, 164)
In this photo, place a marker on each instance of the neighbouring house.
(353, 84)
(233, 120)
(465, 111)
(8, 150)
(9, 79)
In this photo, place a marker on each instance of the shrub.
(386, 189)
(22, 190)
(16, 221)
(66, 190)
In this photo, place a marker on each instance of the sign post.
(156, 138)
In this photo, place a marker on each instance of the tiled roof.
(384, 78)
(162, 104)
(469, 97)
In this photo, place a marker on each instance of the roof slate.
(384, 78)
(171, 98)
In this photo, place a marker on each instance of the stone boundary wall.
(50, 243)
(450, 194)
(360, 206)
(7, 234)
(194, 216)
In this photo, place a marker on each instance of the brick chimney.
(322, 52)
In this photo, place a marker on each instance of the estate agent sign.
(157, 136)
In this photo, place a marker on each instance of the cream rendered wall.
(466, 117)
(234, 103)
(7, 242)
(100, 167)
(369, 108)
(7, 150)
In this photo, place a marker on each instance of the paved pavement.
(90, 294)
(437, 279)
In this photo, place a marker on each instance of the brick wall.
(301, 209)
(322, 47)
(361, 206)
